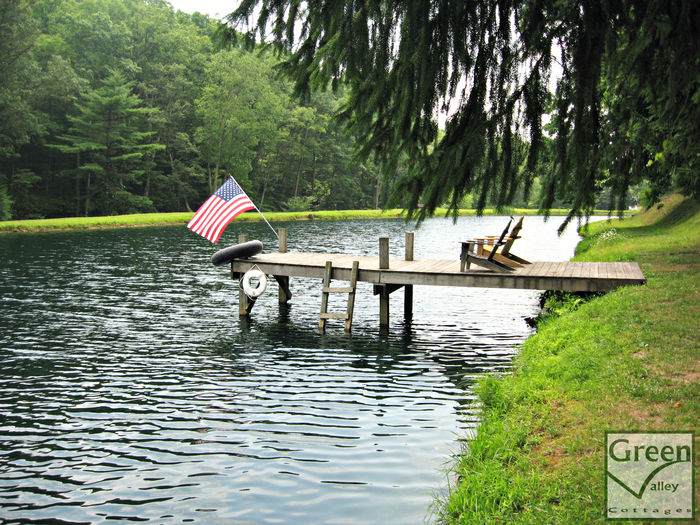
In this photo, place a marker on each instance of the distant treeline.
(126, 106)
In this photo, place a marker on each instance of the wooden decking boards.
(572, 276)
(390, 274)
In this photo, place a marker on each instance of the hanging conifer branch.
(406, 61)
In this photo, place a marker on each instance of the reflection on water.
(132, 390)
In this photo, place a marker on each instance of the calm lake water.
(132, 391)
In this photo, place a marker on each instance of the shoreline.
(181, 218)
(625, 361)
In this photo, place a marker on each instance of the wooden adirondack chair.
(503, 255)
(472, 253)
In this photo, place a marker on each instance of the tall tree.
(56, 59)
(407, 61)
(110, 141)
(241, 108)
(18, 33)
(18, 119)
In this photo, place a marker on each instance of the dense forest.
(122, 106)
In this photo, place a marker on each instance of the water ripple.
(133, 392)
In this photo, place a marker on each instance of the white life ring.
(254, 291)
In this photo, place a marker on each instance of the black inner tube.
(237, 251)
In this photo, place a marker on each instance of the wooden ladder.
(327, 289)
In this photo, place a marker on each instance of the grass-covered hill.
(628, 360)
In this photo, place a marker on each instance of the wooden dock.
(572, 276)
(390, 274)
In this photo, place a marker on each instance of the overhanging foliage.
(625, 106)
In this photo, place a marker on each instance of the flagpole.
(273, 230)
(256, 207)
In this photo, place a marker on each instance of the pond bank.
(624, 361)
(181, 218)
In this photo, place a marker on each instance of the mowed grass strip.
(181, 218)
(627, 360)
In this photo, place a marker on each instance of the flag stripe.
(217, 212)
(217, 217)
(234, 208)
(214, 218)
(210, 215)
(231, 215)
(202, 212)
(205, 211)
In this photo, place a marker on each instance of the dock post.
(384, 253)
(408, 289)
(282, 232)
(245, 303)
(383, 289)
(284, 294)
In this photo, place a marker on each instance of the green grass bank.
(628, 360)
(180, 218)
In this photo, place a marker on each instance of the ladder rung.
(333, 316)
(328, 289)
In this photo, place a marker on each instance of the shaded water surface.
(131, 391)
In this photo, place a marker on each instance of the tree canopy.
(603, 94)
(122, 106)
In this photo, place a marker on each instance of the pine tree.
(108, 138)
(407, 61)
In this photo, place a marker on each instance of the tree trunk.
(377, 192)
(296, 185)
(219, 153)
(262, 197)
(313, 169)
(301, 157)
(313, 173)
(87, 194)
(147, 187)
(77, 184)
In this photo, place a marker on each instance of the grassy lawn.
(628, 360)
(180, 218)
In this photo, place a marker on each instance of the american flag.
(219, 210)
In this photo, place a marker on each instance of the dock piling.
(408, 289)
(245, 303)
(282, 232)
(284, 294)
(384, 253)
(383, 289)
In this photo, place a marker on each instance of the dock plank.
(546, 275)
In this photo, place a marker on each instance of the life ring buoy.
(248, 287)
(237, 251)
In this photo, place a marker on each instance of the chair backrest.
(500, 239)
(513, 235)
